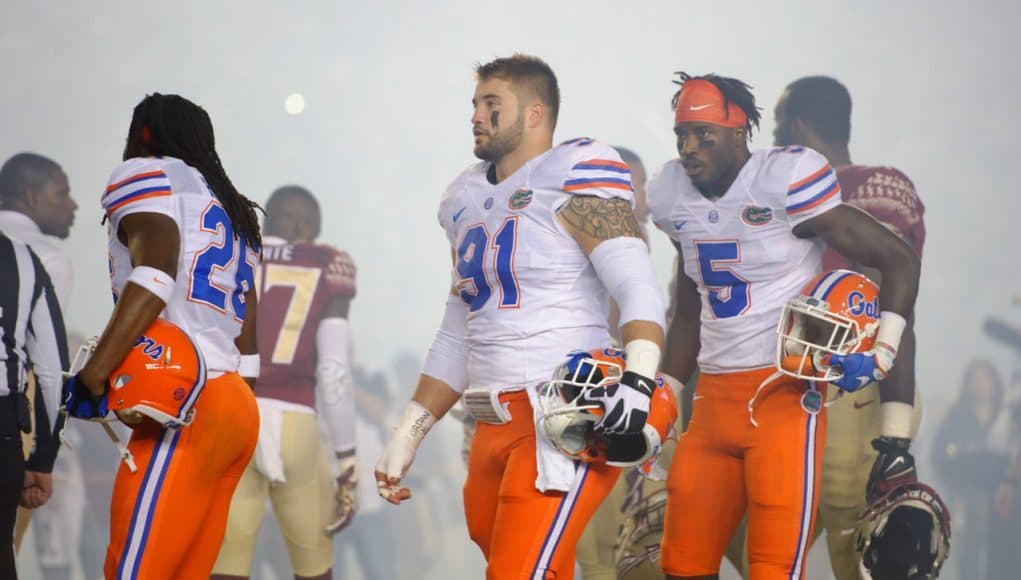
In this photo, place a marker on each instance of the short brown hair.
(529, 72)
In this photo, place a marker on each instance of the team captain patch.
(756, 216)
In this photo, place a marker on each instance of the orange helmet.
(161, 377)
(836, 313)
(569, 424)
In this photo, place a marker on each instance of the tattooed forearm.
(600, 218)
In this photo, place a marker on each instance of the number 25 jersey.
(532, 294)
(740, 249)
(214, 268)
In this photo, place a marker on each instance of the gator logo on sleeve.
(756, 216)
(520, 199)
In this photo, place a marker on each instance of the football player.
(305, 295)
(541, 236)
(864, 437)
(750, 229)
(183, 246)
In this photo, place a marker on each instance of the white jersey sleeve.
(138, 185)
(598, 170)
(813, 188)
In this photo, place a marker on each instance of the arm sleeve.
(138, 186)
(46, 345)
(334, 385)
(447, 360)
(813, 188)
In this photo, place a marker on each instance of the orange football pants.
(167, 519)
(727, 466)
(525, 533)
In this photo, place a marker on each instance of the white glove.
(400, 452)
(344, 495)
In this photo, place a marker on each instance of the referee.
(31, 338)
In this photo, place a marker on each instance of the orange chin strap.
(701, 102)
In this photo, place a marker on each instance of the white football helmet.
(570, 424)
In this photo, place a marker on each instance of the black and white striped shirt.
(33, 338)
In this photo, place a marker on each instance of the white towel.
(556, 471)
(268, 460)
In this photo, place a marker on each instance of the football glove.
(347, 487)
(861, 368)
(894, 467)
(79, 401)
(625, 404)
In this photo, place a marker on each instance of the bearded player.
(750, 229)
(541, 236)
(306, 292)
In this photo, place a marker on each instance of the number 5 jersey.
(740, 249)
(215, 269)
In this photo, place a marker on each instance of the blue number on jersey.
(471, 259)
(218, 256)
(471, 256)
(729, 294)
(244, 280)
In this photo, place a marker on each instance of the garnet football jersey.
(215, 267)
(740, 249)
(887, 195)
(532, 294)
(296, 284)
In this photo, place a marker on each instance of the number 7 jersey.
(740, 249)
(214, 268)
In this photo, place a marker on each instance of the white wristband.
(896, 419)
(891, 327)
(154, 280)
(642, 356)
(415, 424)
(249, 366)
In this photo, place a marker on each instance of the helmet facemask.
(807, 332)
(567, 422)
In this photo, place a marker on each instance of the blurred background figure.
(815, 112)
(37, 209)
(969, 471)
(304, 341)
(33, 338)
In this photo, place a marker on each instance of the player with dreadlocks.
(183, 245)
(750, 229)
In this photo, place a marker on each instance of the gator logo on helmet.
(756, 216)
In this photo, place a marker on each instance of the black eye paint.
(494, 119)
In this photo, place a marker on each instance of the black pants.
(12, 480)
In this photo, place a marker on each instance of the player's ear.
(535, 114)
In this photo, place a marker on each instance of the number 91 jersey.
(215, 269)
(740, 249)
(531, 291)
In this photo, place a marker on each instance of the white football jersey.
(214, 269)
(740, 249)
(532, 294)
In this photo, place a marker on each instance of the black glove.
(894, 467)
(625, 404)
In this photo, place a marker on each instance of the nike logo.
(858, 405)
(700, 107)
(458, 213)
(862, 381)
(679, 225)
(158, 281)
(894, 463)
